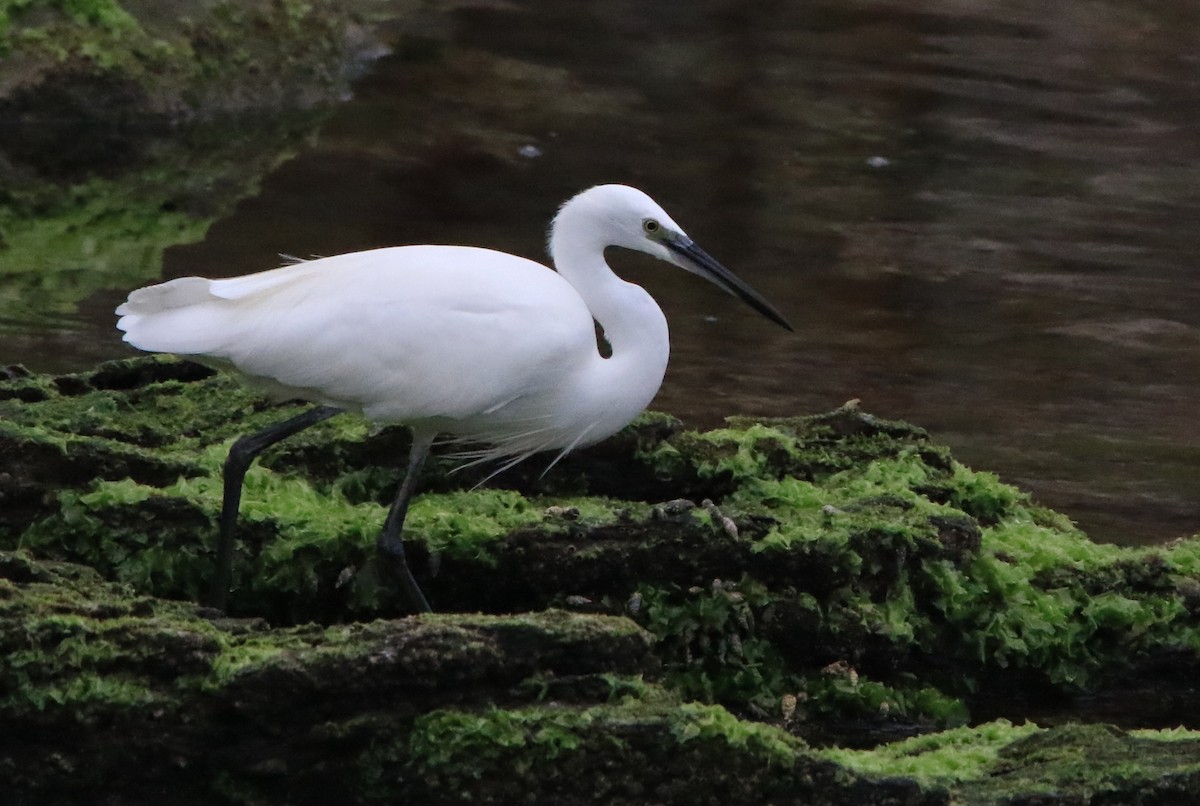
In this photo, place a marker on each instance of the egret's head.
(618, 215)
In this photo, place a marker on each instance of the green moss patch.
(943, 758)
(461, 708)
(132, 126)
(999, 761)
(452, 748)
(804, 571)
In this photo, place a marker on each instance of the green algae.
(457, 750)
(697, 722)
(462, 524)
(179, 127)
(496, 738)
(1089, 762)
(839, 693)
(805, 447)
(70, 638)
(946, 757)
(1035, 599)
(301, 531)
(709, 644)
(714, 651)
(467, 751)
(63, 244)
(107, 16)
(309, 541)
(998, 761)
(890, 584)
(1176, 734)
(87, 655)
(473, 741)
(99, 239)
(70, 641)
(463, 708)
(1011, 582)
(308, 527)
(154, 404)
(188, 53)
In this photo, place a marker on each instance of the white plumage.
(452, 340)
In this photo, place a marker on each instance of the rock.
(872, 582)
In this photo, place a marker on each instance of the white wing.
(401, 334)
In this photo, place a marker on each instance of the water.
(982, 217)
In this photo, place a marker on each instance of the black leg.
(241, 456)
(391, 539)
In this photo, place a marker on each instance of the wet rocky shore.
(825, 608)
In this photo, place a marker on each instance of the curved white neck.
(633, 324)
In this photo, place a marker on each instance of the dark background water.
(980, 216)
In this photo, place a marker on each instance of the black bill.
(697, 261)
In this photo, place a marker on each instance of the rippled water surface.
(983, 217)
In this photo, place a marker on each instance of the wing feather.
(400, 334)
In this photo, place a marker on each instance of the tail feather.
(164, 296)
(198, 316)
(168, 317)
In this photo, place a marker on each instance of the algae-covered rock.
(999, 762)
(130, 126)
(835, 577)
(104, 691)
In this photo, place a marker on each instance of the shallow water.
(982, 217)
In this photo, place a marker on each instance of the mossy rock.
(109, 694)
(130, 126)
(832, 577)
(197, 698)
(847, 560)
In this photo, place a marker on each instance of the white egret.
(468, 342)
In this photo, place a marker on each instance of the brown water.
(982, 217)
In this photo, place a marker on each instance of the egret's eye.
(651, 227)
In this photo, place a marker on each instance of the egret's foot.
(393, 558)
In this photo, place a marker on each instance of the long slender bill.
(697, 261)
